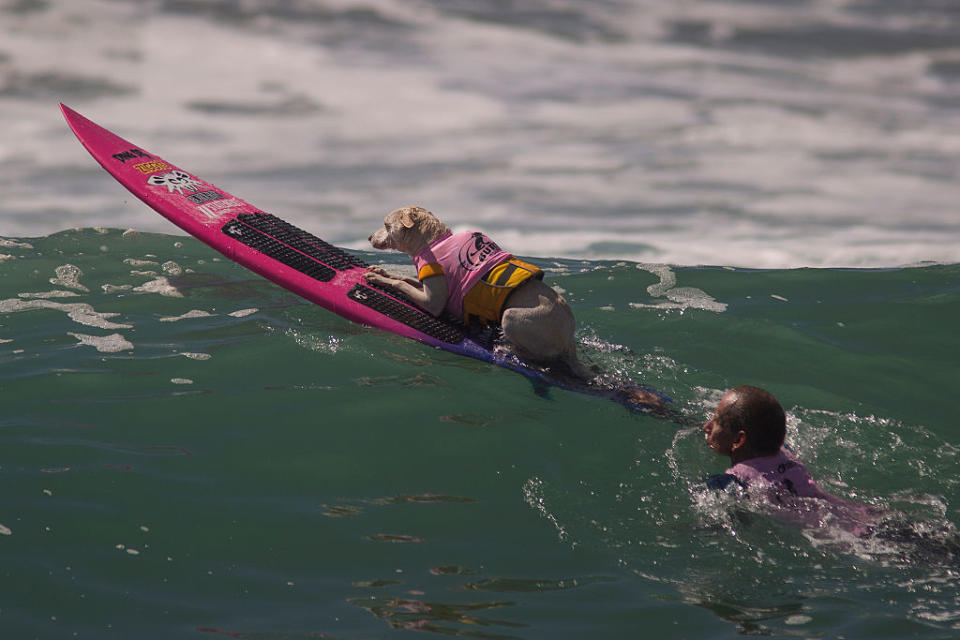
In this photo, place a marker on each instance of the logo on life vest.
(175, 181)
(476, 251)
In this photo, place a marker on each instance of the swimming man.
(750, 426)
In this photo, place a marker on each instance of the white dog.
(471, 277)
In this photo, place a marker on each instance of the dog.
(468, 275)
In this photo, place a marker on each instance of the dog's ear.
(410, 216)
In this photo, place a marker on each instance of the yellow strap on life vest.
(432, 269)
(484, 302)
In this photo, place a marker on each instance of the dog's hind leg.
(548, 344)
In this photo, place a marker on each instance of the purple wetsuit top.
(780, 473)
(784, 481)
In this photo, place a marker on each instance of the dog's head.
(408, 229)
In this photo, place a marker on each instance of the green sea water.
(188, 451)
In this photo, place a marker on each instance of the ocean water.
(191, 450)
(728, 192)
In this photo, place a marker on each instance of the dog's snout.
(378, 239)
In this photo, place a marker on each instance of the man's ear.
(739, 441)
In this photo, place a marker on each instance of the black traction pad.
(302, 241)
(486, 335)
(268, 246)
(321, 260)
(408, 315)
(293, 247)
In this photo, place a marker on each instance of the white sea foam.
(193, 313)
(79, 312)
(14, 244)
(68, 276)
(45, 295)
(113, 343)
(160, 286)
(634, 141)
(114, 288)
(135, 262)
(679, 297)
(196, 356)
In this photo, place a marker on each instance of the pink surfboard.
(292, 258)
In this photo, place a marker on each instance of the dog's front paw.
(381, 277)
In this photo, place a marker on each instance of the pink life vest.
(465, 258)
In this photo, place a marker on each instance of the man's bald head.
(758, 413)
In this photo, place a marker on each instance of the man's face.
(719, 437)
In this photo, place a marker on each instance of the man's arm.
(721, 481)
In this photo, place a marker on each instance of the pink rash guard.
(785, 483)
(464, 258)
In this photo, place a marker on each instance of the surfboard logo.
(176, 180)
(476, 250)
(214, 209)
(204, 196)
(131, 154)
(146, 168)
